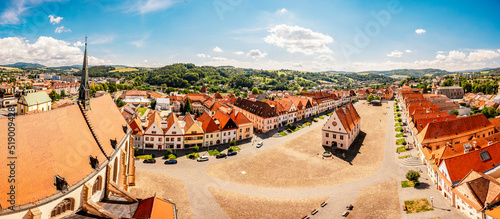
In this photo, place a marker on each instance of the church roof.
(58, 142)
(36, 98)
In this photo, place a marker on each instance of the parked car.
(171, 162)
(202, 158)
(219, 156)
(232, 153)
(149, 161)
(260, 144)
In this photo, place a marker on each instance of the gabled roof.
(36, 98)
(136, 126)
(208, 124)
(240, 118)
(482, 189)
(424, 115)
(217, 96)
(420, 124)
(225, 121)
(438, 131)
(172, 119)
(155, 208)
(458, 167)
(258, 108)
(153, 118)
(215, 106)
(348, 116)
(189, 121)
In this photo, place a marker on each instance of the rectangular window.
(484, 155)
(193, 132)
(154, 132)
(326, 142)
(327, 136)
(211, 135)
(178, 146)
(173, 133)
(159, 139)
(166, 139)
(178, 139)
(341, 137)
(147, 138)
(334, 136)
(172, 139)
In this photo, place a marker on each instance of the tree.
(63, 94)
(454, 112)
(196, 148)
(447, 83)
(255, 90)
(376, 97)
(370, 98)
(413, 175)
(187, 106)
(153, 104)
(54, 95)
(120, 102)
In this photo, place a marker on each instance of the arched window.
(97, 185)
(63, 207)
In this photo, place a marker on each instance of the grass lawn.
(401, 149)
(296, 129)
(213, 152)
(419, 205)
(141, 110)
(406, 184)
(282, 133)
(398, 124)
(321, 117)
(399, 129)
(400, 141)
(145, 157)
(403, 157)
(307, 123)
(235, 148)
(400, 135)
(329, 114)
(315, 120)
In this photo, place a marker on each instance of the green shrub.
(136, 149)
(412, 175)
(315, 120)
(196, 148)
(234, 148)
(282, 133)
(232, 142)
(192, 155)
(321, 117)
(213, 152)
(172, 157)
(399, 129)
(399, 120)
(169, 151)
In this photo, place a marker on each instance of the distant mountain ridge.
(25, 65)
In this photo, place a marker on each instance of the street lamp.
(432, 201)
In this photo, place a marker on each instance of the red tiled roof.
(420, 124)
(189, 121)
(438, 131)
(348, 116)
(458, 167)
(208, 124)
(154, 208)
(225, 121)
(416, 116)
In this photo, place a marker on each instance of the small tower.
(84, 91)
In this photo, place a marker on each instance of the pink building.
(341, 128)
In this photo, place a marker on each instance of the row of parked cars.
(203, 158)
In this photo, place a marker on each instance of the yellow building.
(193, 133)
(33, 102)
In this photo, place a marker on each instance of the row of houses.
(188, 131)
(461, 154)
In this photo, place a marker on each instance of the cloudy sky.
(307, 35)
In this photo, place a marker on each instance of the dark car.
(171, 162)
(219, 156)
(232, 153)
(149, 161)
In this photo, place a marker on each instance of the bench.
(305, 217)
(323, 204)
(315, 211)
(345, 214)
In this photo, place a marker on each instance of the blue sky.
(308, 35)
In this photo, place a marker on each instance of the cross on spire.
(84, 92)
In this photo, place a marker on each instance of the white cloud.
(457, 55)
(481, 55)
(325, 58)
(217, 49)
(298, 39)
(145, 61)
(420, 31)
(395, 53)
(201, 55)
(140, 42)
(46, 51)
(256, 54)
(147, 6)
(281, 11)
(78, 44)
(408, 51)
(239, 53)
(219, 59)
(440, 52)
(55, 19)
(18, 8)
(62, 29)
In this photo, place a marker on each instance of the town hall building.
(342, 128)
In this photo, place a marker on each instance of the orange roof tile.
(155, 208)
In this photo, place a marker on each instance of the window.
(154, 132)
(178, 146)
(62, 207)
(166, 139)
(334, 136)
(235, 132)
(207, 136)
(173, 133)
(172, 139)
(484, 155)
(341, 137)
(327, 136)
(178, 139)
(97, 185)
(147, 138)
(326, 142)
(159, 139)
(193, 132)
(211, 135)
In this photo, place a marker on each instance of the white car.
(260, 144)
(202, 158)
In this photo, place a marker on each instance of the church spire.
(84, 92)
